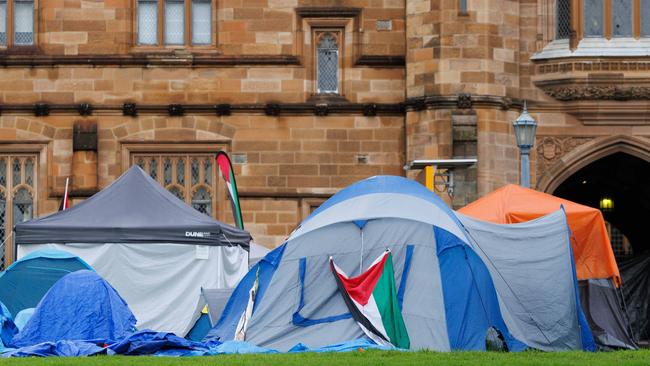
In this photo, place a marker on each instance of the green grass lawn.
(370, 358)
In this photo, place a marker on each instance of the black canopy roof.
(133, 209)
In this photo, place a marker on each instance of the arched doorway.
(622, 180)
(619, 184)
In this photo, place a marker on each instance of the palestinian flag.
(225, 167)
(372, 300)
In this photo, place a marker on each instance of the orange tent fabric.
(592, 249)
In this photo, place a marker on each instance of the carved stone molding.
(552, 148)
(598, 92)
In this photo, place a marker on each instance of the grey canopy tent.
(156, 251)
(134, 209)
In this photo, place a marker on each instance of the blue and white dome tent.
(445, 291)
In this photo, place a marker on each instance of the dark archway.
(623, 178)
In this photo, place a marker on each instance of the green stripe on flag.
(386, 298)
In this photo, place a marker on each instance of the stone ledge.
(144, 60)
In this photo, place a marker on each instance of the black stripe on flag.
(356, 313)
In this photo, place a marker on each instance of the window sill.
(596, 47)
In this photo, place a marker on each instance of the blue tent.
(455, 282)
(80, 306)
(26, 281)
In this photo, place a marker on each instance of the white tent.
(155, 250)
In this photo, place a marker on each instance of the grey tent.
(451, 289)
(156, 251)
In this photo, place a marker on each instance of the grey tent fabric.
(636, 292)
(216, 299)
(534, 302)
(603, 309)
(133, 209)
(423, 308)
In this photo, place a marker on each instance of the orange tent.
(591, 247)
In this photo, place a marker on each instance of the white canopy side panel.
(160, 282)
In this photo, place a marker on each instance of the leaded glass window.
(23, 206)
(24, 22)
(201, 22)
(563, 19)
(201, 201)
(174, 22)
(167, 171)
(195, 171)
(148, 22)
(166, 22)
(172, 172)
(3, 23)
(17, 201)
(593, 18)
(645, 18)
(622, 18)
(327, 63)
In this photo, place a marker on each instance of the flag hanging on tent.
(225, 167)
(372, 300)
(64, 201)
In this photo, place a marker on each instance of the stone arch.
(163, 129)
(590, 152)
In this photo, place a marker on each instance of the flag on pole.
(64, 201)
(225, 167)
(372, 300)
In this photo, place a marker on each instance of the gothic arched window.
(327, 63)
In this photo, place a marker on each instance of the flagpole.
(65, 194)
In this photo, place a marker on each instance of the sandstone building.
(309, 96)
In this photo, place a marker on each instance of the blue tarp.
(26, 281)
(60, 348)
(79, 306)
(148, 342)
(7, 327)
(168, 344)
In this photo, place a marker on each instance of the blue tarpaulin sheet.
(7, 327)
(60, 348)
(79, 306)
(168, 344)
(147, 342)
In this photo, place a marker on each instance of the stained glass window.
(327, 64)
(622, 18)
